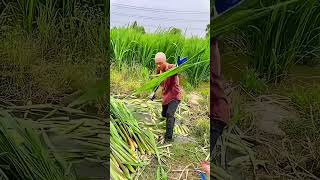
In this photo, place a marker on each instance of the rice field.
(130, 47)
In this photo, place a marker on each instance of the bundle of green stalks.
(63, 136)
(150, 85)
(128, 141)
(23, 154)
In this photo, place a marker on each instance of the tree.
(175, 31)
(137, 27)
(208, 30)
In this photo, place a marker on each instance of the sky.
(191, 16)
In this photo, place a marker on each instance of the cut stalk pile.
(71, 135)
(129, 142)
(22, 149)
(152, 112)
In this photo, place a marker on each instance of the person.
(171, 94)
(219, 105)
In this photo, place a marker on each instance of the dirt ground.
(260, 144)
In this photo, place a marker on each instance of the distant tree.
(208, 30)
(175, 31)
(137, 27)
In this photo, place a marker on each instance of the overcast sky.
(192, 16)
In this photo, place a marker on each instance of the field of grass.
(271, 65)
(287, 36)
(50, 48)
(50, 51)
(130, 47)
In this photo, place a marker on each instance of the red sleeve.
(219, 105)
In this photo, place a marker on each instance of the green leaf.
(93, 93)
(149, 86)
(240, 16)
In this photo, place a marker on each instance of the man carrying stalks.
(171, 93)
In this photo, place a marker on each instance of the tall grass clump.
(45, 43)
(131, 47)
(285, 37)
(252, 83)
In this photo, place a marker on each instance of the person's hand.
(206, 166)
(155, 75)
(152, 96)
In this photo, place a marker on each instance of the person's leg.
(164, 110)
(172, 107)
(216, 132)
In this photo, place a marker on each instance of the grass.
(287, 36)
(127, 80)
(304, 132)
(201, 131)
(301, 139)
(252, 83)
(203, 89)
(240, 116)
(179, 151)
(47, 50)
(306, 99)
(307, 102)
(276, 35)
(132, 47)
(178, 162)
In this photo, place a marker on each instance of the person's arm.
(154, 93)
(157, 70)
(221, 105)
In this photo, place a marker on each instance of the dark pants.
(216, 130)
(168, 112)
